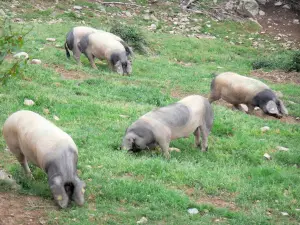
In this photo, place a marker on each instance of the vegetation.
(230, 184)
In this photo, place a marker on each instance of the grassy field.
(230, 184)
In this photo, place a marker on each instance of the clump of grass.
(132, 35)
(283, 61)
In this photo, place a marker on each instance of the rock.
(18, 20)
(263, 2)
(296, 21)
(152, 17)
(28, 102)
(50, 39)
(230, 5)
(193, 211)
(77, 7)
(21, 54)
(279, 3)
(153, 26)
(124, 116)
(128, 14)
(56, 118)
(8, 179)
(264, 129)
(46, 111)
(146, 17)
(172, 32)
(286, 6)
(143, 220)
(256, 108)
(36, 61)
(297, 209)
(284, 213)
(280, 148)
(248, 8)
(267, 156)
(2, 13)
(208, 25)
(261, 13)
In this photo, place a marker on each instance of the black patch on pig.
(69, 188)
(70, 40)
(213, 84)
(174, 115)
(262, 98)
(84, 43)
(114, 58)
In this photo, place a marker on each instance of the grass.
(122, 187)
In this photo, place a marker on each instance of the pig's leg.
(23, 161)
(204, 133)
(197, 137)
(250, 109)
(76, 54)
(91, 59)
(164, 145)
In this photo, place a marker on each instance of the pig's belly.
(184, 131)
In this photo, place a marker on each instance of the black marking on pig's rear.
(262, 98)
(84, 43)
(70, 40)
(213, 84)
(175, 115)
(114, 58)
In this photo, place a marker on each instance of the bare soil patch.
(217, 202)
(68, 74)
(18, 209)
(277, 76)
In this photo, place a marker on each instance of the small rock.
(265, 128)
(208, 25)
(124, 116)
(261, 13)
(18, 20)
(56, 118)
(297, 209)
(153, 26)
(28, 102)
(296, 21)
(77, 7)
(152, 17)
(2, 13)
(284, 213)
(128, 14)
(146, 17)
(267, 156)
(280, 148)
(286, 6)
(50, 39)
(193, 211)
(21, 54)
(46, 111)
(279, 3)
(143, 220)
(172, 32)
(36, 61)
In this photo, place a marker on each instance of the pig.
(192, 114)
(77, 33)
(30, 137)
(103, 46)
(237, 89)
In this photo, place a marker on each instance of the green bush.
(132, 35)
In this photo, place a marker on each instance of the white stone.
(128, 14)
(77, 7)
(143, 220)
(28, 102)
(267, 156)
(55, 117)
(284, 213)
(280, 148)
(21, 54)
(256, 108)
(286, 6)
(263, 2)
(36, 61)
(50, 39)
(279, 3)
(208, 25)
(261, 13)
(172, 32)
(265, 128)
(146, 17)
(193, 211)
(152, 17)
(153, 26)
(296, 21)
(248, 8)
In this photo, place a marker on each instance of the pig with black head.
(192, 114)
(30, 137)
(237, 89)
(104, 45)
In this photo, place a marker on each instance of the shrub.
(132, 35)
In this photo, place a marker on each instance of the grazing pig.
(30, 137)
(237, 89)
(192, 114)
(104, 46)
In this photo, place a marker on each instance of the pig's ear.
(282, 108)
(271, 107)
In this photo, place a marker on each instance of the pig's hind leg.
(204, 133)
(197, 137)
(23, 161)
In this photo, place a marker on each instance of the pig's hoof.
(174, 149)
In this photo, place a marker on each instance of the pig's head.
(78, 193)
(121, 64)
(59, 193)
(138, 138)
(270, 104)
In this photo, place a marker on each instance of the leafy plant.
(132, 35)
(10, 41)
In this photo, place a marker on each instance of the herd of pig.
(30, 137)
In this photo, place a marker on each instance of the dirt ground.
(18, 209)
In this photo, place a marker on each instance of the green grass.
(122, 187)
